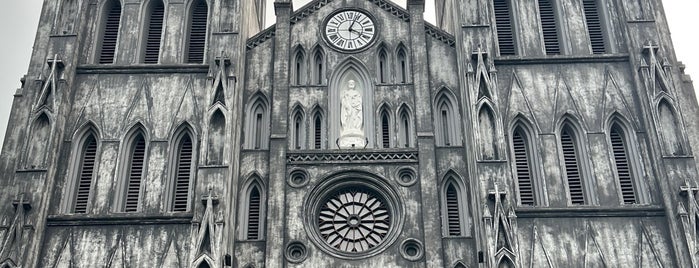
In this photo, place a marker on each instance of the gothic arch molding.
(351, 69)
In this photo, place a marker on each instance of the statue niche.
(351, 103)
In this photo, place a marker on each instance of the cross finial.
(688, 190)
(210, 197)
(496, 193)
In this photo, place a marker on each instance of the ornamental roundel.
(354, 220)
(353, 215)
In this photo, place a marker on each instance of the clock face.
(350, 30)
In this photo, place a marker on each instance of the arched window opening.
(197, 32)
(257, 130)
(404, 129)
(594, 26)
(573, 169)
(385, 129)
(216, 138)
(85, 172)
(183, 173)
(624, 167)
(454, 208)
(505, 262)
(521, 151)
(670, 129)
(154, 31)
(549, 26)
(109, 32)
(136, 163)
(318, 68)
(204, 264)
(446, 121)
(503, 23)
(254, 204)
(486, 122)
(383, 66)
(299, 68)
(317, 130)
(39, 141)
(297, 135)
(402, 65)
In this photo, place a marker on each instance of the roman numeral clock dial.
(350, 30)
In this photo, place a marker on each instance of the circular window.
(406, 177)
(353, 216)
(298, 178)
(354, 220)
(411, 249)
(296, 252)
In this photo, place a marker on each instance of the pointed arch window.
(86, 165)
(109, 34)
(299, 67)
(318, 130)
(402, 65)
(183, 172)
(404, 128)
(154, 31)
(528, 184)
(385, 128)
(196, 38)
(253, 214)
(382, 66)
(593, 18)
(623, 164)
(504, 25)
(549, 26)
(446, 121)
(572, 158)
(454, 210)
(257, 125)
(298, 129)
(135, 169)
(318, 66)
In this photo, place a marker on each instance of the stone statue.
(351, 118)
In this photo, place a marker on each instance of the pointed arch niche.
(670, 129)
(487, 133)
(405, 127)
(215, 138)
(351, 69)
(39, 141)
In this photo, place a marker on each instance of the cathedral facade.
(351, 133)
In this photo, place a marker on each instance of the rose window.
(354, 220)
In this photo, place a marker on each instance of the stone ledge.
(142, 68)
(119, 219)
(593, 212)
(561, 59)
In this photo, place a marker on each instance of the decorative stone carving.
(351, 118)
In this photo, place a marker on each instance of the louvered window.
(197, 32)
(155, 31)
(254, 204)
(623, 165)
(85, 173)
(317, 131)
(522, 161)
(503, 22)
(385, 130)
(135, 174)
(183, 173)
(383, 64)
(453, 210)
(572, 167)
(549, 25)
(300, 68)
(445, 126)
(594, 26)
(110, 33)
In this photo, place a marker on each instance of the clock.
(350, 30)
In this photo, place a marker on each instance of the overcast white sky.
(19, 19)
